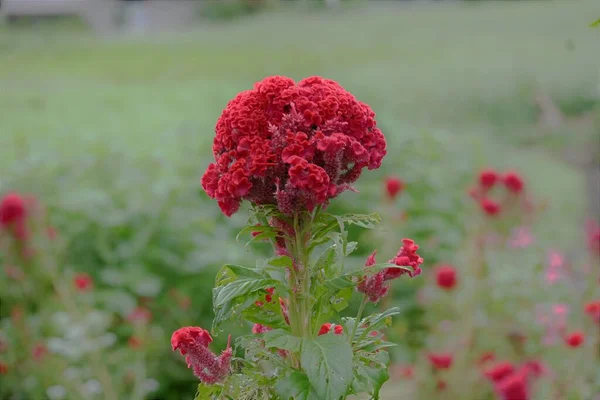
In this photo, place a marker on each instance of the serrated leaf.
(207, 392)
(282, 340)
(327, 361)
(367, 221)
(372, 372)
(340, 300)
(229, 272)
(296, 387)
(240, 288)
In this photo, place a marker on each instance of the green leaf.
(281, 261)
(367, 221)
(596, 23)
(229, 272)
(340, 301)
(327, 361)
(376, 320)
(240, 288)
(350, 247)
(371, 372)
(207, 392)
(282, 340)
(296, 387)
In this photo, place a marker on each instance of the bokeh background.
(107, 110)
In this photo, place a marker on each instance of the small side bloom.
(490, 207)
(393, 187)
(488, 178)
(499, 371)
(193, 341)
(513, 182)
(446, 277)
(440, 360)
(514, 387)
(326, 328)
(83, 282)
(259, 328)
(593, 310)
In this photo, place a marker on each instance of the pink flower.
(514, 387)
(490, 207)
(499, 371)
(140, 315)
(446, 277)
(593, 310)
(38, 352)
(13, 215)
(521, 238)
(83, 282)
(393, 186)
(193, 342)
(440, 360)
(259, 329)
(555, 259)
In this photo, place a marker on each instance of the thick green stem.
(363, 303)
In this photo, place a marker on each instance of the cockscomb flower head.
(446, 277)
(488, 178)
(499, 371)
(513, 182)
(193, 342)
(575, 339)
(294, 145)
(393, 186)
(440, 360)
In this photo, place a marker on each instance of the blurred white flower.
(107, 340)
(61, 319)
(72, 373)
(92, 387)
(150, 385)
(56, 392)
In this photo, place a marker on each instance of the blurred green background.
(113, 130)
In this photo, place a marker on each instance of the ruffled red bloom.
(440, 360)
(487, 178)
(575, 339)
(499, 371)
(393, 186)
(446, 277)
(259, 328)
(593, 310)
(513, 182)
(83, 282)
(3, 368)
(490, 207)
(514, 387)
(293, 145)
(193, 342)
(140, 315)
(375, 286)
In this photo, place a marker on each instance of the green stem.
(358, 315)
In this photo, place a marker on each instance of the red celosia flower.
(140, 315)
(269, 296)
(514, 387)
(259, 328)
(393, 186)
(535, 367)
(83, 282)
(575, 339)
(193, 342)
(3, 368)
(499, 371)
(487, 178)
(375, 286)
(490, 207)
(440, 360)
(593, 310)
(326, 328)
(513, 182)
(446, 277)
(12, 209)
(134, 342)
(38, 352)
(293, 145)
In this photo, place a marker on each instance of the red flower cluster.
(83, 282)
(488, 179)
(575, 339)
(375, 286)
(326, 328)
(446, 277)
(440, 360)
(13, 215)
(260, 328)
(393, 186)
(293, 145)
(193, 342)
(510, 382)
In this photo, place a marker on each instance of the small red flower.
(134, 342)
(446, 277)
(440, 360)
(487, 178)
(259, 303)
(12, 209)
(514, 387)
(326, 328)
(83, 282)
(575, 339)
(259, 328)
(513, 182)
(393, 186)
(193, 342)
(38, 352)
(269, 296)
(441, 385)
(593, 310)
(3, 368)
(140, 315)
(490, 207)
(499, 371)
